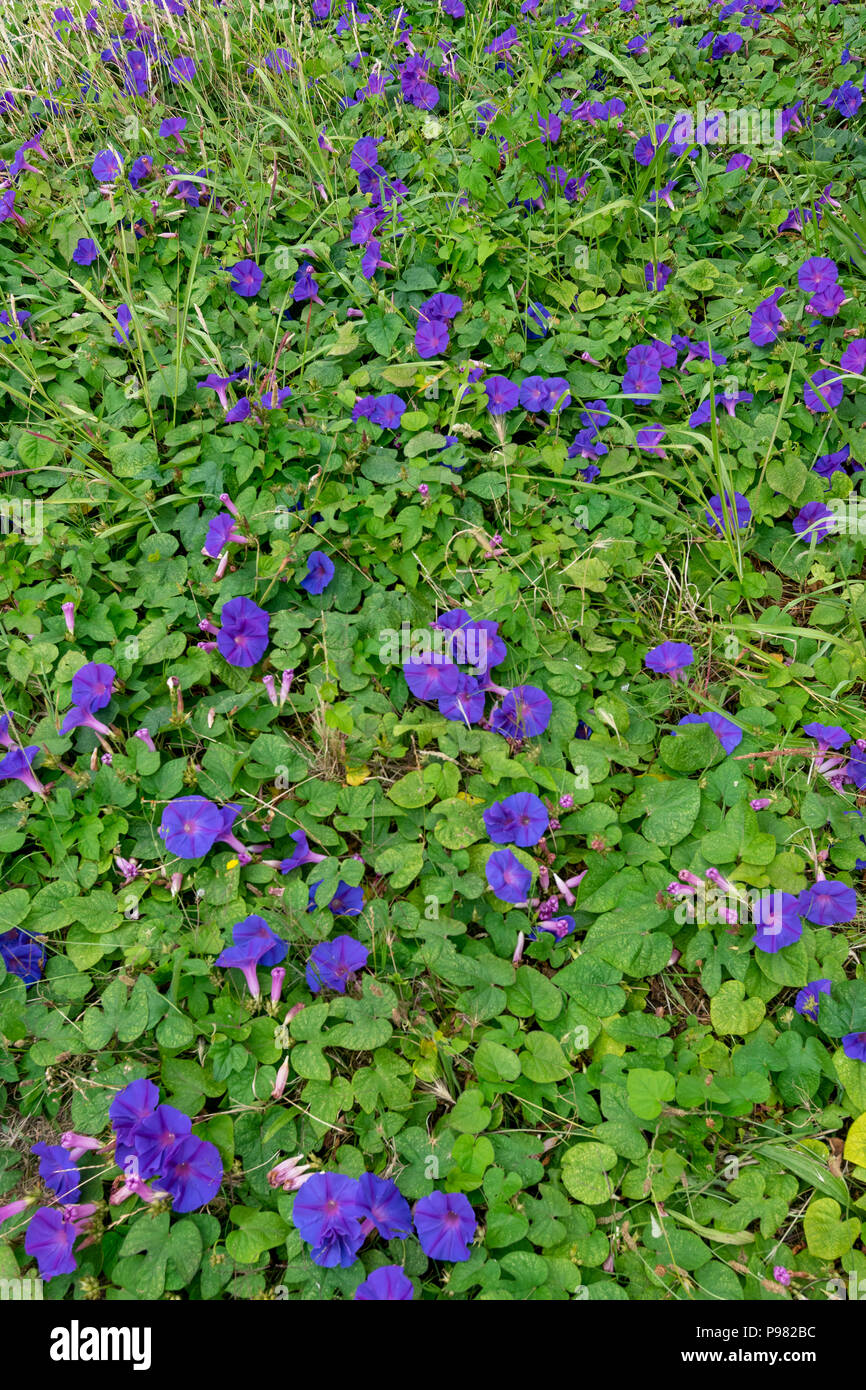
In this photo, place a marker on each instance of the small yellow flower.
(232, 863)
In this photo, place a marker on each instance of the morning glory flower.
(18, 763)
(106, 166)
(507, 877)
(656, 276)
(49, 1240)
(190, 826)
(670, 659)
(730, 735)
(22, 955)
(816, 274)
(536, 319)
(302, 854)
(766, 322)
(388, 1283)
(305, 287)
(246, 278)
(155, 1134)
(320, 572)
(777, 921)
(243, 637)
(649, 438)
(827, 735)
(332, 962)
(502, 395)
(808, 1000)
(431, 679)
(446, 1224)
(384, 1206)
(431, 338)
(79, 718)
(465, 704)
(828, 902)
(525, 712)
(92, 685)
(192, 1172)
(642, 381)
(86, 251)
(814, 520)
(853, 359)
(520, 820)
(720, 517)
(221, 533)
(58, 1172)
(254, 943)
(130, 1106)
(853, 1045)
(327, 1212)
(124, 320)
(559, 927)
(172, 128)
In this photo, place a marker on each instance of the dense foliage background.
(647, 1103)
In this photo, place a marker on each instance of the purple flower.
(550, 128)
(173, 127)
(320, 572)
(465, 704)
(191, 1173)
(328, 1212)
(18, 763)
(124, 319)
(332, 962)
(828, 902)
(445, 1223)
(58, 1172)
(827, 735)
(431, 679)
(254, 944)
(814, 520)
(388, 1283)
(243, 636)
(670, 659)
(22, 955)
(808, 1000)
(730, 735)
(130, 1106)
(221, 533)
(717, 517)
(536, 318)
(92, 685)
(302, 854)
(827, 302)
(155, 1134)
(766, 321)
(525, 712)
(649, 438)
(816, 274)
(385, 1206)
(305, 287)
(49, 1239)
(777, 919)
(507, 877)
(79, 718)
(240, 411)
(738, 161)
(106, 166)
(853, 359)
(656, 276)
(190, 826)
(246, 278)
(502, 395)
(853, 1045)
(520, 820)
(86, 251)
(431, 338)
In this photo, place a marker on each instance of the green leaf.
(827, 1236)
(584, 1172)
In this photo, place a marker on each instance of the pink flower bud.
(278, 974)
(280, 1083)
(69, 617)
